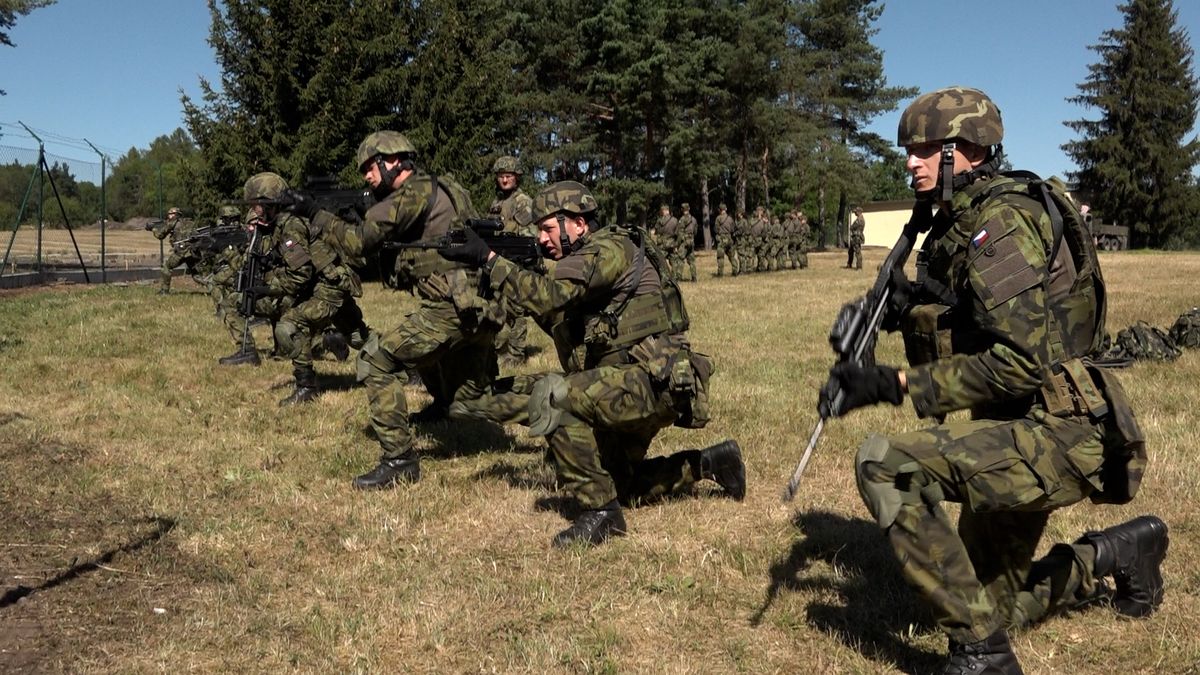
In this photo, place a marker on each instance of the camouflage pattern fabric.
(950, 113)
(514, 209)
(450, 339)
(612, 402)
(855, 242)
(759, 227)
(173, 229)
(723, 227)
(1185, 332)
(1012, 463)
(687, 243)
(1142, 342)
(744, 241)
(668, 235)
(802, 240)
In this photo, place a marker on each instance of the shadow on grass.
(337, 381)
(528, 476)
(877, 604)
(161, 527)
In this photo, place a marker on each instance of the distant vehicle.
(1109, 237)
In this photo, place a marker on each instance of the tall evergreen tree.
(1136, 161)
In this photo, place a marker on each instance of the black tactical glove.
(301, 205)
(860, 387)
(899, 302)
(473, 251)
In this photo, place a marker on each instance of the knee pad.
(371, 357)
(886, 488)
(288, 339)
(545, 413)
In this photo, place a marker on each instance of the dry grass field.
(161, 513)
(123, 248)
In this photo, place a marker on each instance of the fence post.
(103, 217)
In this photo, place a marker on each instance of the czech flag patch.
(980, 239)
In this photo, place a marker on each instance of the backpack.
(1186, 331)
(1142, 342)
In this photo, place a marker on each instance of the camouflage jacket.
(514, 209)
(667, 231)
(858, 231)
(687, 230)
(585, 301)
(415, 211)
(723, 227)
(741, 229)
(175, 229)
(758, 227)
(307, 260)
(992, 257)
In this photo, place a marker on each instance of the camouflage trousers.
(747, 258)
(1008, 476)
(173, 260)
(455, 362)
(265, 307)
(513, 338)
(854, 255)
(609, 416)
(799, 256)
(306, 322)
(689, 256)
(762, 252)
(675, 258)
(726, 249)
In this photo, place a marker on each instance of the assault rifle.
(250, 278)
(151, 224)
(349, 204)
(856, 328)
(520, 249)
(212, 239)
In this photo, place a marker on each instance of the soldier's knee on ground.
(289, 339)
(889, 480)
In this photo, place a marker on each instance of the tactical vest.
(414, 267)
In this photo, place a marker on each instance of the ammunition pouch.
(1078, 388)
(926, 330)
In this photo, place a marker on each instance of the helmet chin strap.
(387, 177)
(949, 183)
(564, 241)
(947, 171)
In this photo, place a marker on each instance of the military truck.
(1108, 237)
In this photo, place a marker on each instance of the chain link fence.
(53, 224)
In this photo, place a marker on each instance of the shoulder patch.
(1001, 267)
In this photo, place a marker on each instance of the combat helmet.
(174, 211)
(265, 186)
(563, 197)
(383, 143)
(507, 164)
(950, 115)
(229, 211)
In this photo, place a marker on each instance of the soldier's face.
(549, 233)
(924, 161)
(506, 181)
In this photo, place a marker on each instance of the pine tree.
(1135, 160)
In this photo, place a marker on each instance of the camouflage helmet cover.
(229, 211)
(507, 164)
(951, 113)
(685, 206)
(174, 211)
(383, 143)
(563, 197)
(265, 185)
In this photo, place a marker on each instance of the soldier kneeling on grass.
(620, 328)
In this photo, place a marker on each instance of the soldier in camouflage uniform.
(744, 241)
(667, 237)
(687, 240)
(450, 338)
(759, 228)
(778, 243)
(854, 242)
(215, 268)
(726, 244)
(802, 239)
(511, 207)
(999, 322)
(323, 287)
(175, 227)
(619, 326)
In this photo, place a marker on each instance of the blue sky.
(111, 71)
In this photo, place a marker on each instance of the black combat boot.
(434, 412)
(404, 469)
(335, 343)
(593, 526)
(1132, 553)
(723, 464)
(306, 387)
(244, 356)
(993, 656)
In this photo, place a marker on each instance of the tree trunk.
(763, 164)
(842, 220)
(705, 212)
(740, 183)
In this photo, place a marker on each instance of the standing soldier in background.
(687, 240)
(321, 285)
(744, 241)
(778, 243)
(620, 329)
(218, 267)
(1007, 306)
(667, 235)
(450, 337)
(802, 239)
(855, 240)
(174, 227)
(759, 228)
(511, 207)
(726, 244)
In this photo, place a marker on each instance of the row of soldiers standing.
(762, 243)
